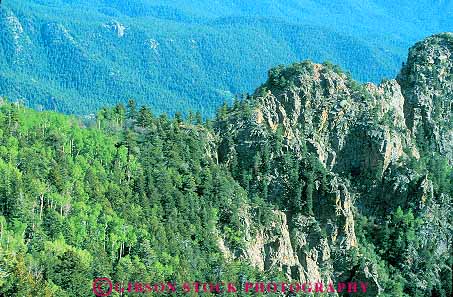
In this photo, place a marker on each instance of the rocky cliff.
(427, 85)
(362, 141)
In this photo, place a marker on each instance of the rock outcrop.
(117, 27)
(331, 113)
(13, 33)
(427, 84)
(354, 130)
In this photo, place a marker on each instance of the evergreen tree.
(131, 109)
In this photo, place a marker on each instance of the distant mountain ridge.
(76, 56)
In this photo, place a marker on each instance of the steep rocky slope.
(360, 152)
(427, 84)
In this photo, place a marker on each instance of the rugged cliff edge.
(329, 152)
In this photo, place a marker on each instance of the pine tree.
(145, 117)
(131, 109)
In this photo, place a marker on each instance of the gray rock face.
(117, 27)
(346, 124)
(12, 32)
(427, 84)
(305, 248)
(352, 129)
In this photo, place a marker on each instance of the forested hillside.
(77, 56)
(133, 197)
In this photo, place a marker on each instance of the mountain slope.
(76, 56)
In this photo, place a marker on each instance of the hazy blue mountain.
(75, 56)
